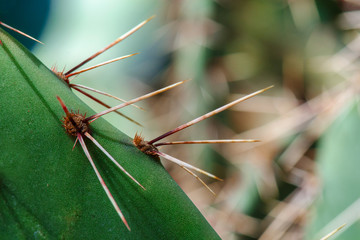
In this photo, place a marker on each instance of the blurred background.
(301, 180)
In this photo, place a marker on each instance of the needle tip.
(125, 223)
(220, 179)
(267, 88)
(186, 80)
(150, 18)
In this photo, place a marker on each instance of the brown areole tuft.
(144, 146)
(75, 123)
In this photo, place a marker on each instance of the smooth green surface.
(48, 191)
(339, 164)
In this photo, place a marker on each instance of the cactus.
(49, 191)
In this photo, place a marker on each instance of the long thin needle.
(76, 140)
(100, 64)
(207, 142)
(20, 32)
(184, 164)
(108, 193)
(124, 36)
(96, 116)
(102, 93)
(333, 232)
(66, 110)
(105, 105)
(199, 179)
(207, 115)
(112, 159)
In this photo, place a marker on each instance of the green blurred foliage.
(338, 164)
